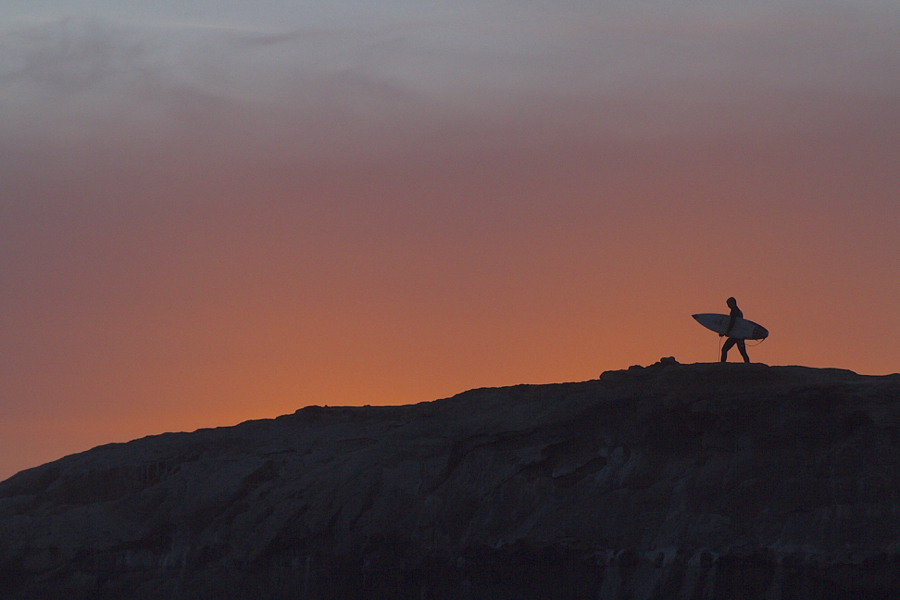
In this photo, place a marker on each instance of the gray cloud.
(454, 56)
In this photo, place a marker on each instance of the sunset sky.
(219, 211)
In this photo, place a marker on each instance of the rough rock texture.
(672, 481)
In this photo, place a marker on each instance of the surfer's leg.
(726, 347)
(743, 349)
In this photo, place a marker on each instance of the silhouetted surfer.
(735, 315)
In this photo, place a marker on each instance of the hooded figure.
(735, 315)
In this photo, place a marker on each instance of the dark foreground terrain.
(668, 482)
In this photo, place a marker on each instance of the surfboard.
(742, 330)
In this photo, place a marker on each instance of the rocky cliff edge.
(671, 481)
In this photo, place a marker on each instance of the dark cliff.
(671, 481)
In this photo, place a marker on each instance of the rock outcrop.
(666, 482)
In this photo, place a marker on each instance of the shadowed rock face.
(671, 481)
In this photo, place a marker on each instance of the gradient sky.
(218, 211)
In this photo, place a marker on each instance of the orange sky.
(177, 254)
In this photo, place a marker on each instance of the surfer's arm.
(730, 324)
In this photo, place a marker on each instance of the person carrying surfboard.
(736, 314)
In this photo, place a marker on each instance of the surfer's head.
(731, 302)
